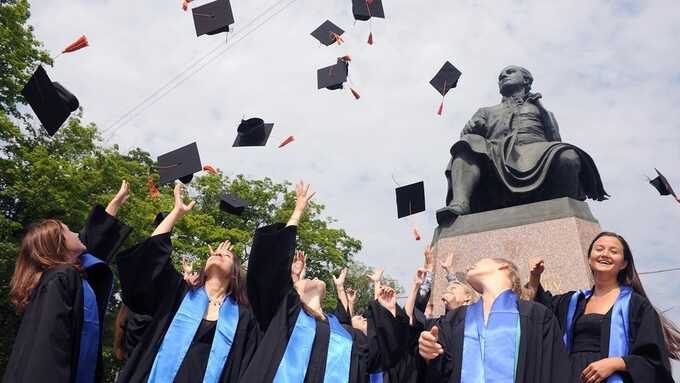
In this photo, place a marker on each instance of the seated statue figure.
(511, 154)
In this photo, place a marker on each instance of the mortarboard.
(232, 204)
(365, 9)
(410, 199)
(179, 164)
(159, 218)
(213, 18)
(662, 185)
(328, 33)
(50, 101)
(444, 80)
(332, 77)
(252, 132)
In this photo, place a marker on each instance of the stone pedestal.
(558, 230)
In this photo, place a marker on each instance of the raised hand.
(351, 296)
(536, 268)
(340, 280)
(447, 265)
(429, 258)
(180, 207)
(302, 198)
(119, 199)
(297, 270)
(190, 276)
(419, 278)
(377, 275)
(387, 297)
(223, 249)
(428, 344)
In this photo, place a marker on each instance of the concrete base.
(558, 230)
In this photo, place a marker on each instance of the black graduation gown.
(47, 344)
(151, 285)
(648, 360)
(542, 357)
(276, 305)
(133, 329)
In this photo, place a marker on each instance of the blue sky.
(609, 70)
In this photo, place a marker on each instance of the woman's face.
(72, 242)
(360, 323)
(220, 262)
(455, 296)
(483, 267)
(607, 256)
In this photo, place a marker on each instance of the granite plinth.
(558, 230)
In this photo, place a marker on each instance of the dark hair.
(629, 276)
(237, 282)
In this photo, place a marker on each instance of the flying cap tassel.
(337, 38)
(345, 58)
(370, 38)
(441, 105)
(153, 190)
(416, 234)
(286, 141)
(80, 43)
(210, 169)
(185, 4)
(355, 93)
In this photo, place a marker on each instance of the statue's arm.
(555, 128)
(477, 124)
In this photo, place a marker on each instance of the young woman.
(62, 284)
(301, 343)
(201, 331)
(500, 338)
(612, 332)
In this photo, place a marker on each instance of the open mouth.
(605, 261)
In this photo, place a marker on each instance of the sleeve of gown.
(342, 314)
(146, 273)
(268, 279)
(103, 234)
(53, 343)
(648, 359)
(421, 301)
(388, 336)
(555, 360)
(558, 304)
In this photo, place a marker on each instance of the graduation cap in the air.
(179, 164)
(444, 80)
(410, 199)
(365, 10)
(662, 185)
(159, 218)
(328, 33)
(333, 77)
(213, 18)
(232, 204)
(253, 132)
(50, 101)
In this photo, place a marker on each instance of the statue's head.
(514, 77)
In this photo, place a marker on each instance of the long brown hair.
(237, 282)
(629, 276)
(42, 248)
(119, 332)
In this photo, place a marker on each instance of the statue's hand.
(476, 125)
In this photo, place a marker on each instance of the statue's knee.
(570, 159)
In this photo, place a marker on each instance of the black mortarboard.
(179, 164)
(365, 9)
(232, 204)
(213, 18)
(328, 33)
(159, 218)
(410, 199)
(50, 101)
(446, 78)
(253, 132)
(332, 77)
(662, 185)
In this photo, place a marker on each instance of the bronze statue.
(511, 153)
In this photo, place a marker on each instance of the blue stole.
(89, 334)
(181, 333)
(376, 377)
(339, 355)
(490, 352)
(618, 330)
(293, 365)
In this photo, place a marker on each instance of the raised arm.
(376, 278)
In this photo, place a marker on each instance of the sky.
(608, 70)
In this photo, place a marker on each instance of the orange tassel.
(337, 38)
(210, 169)
(370, 38)
(78, 44)
(416, 234)
(287, 141)
(153, 190)
(355, 93)
(441, 108)
(345, 58)
(185, 4)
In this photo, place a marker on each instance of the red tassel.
(416, 234)
(355, 93)
(185, 4)
(210, 169)
(78, 44)
(337, 38)
(345, 58)
(370, 38)
(287, 141)
(441, 108)
(369, 2)
(153, 190)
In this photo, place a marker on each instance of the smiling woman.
(612, 332)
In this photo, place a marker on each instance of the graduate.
(612, 332)
(500, 338)
(62, 285)
(201, 328)
(301, 343)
